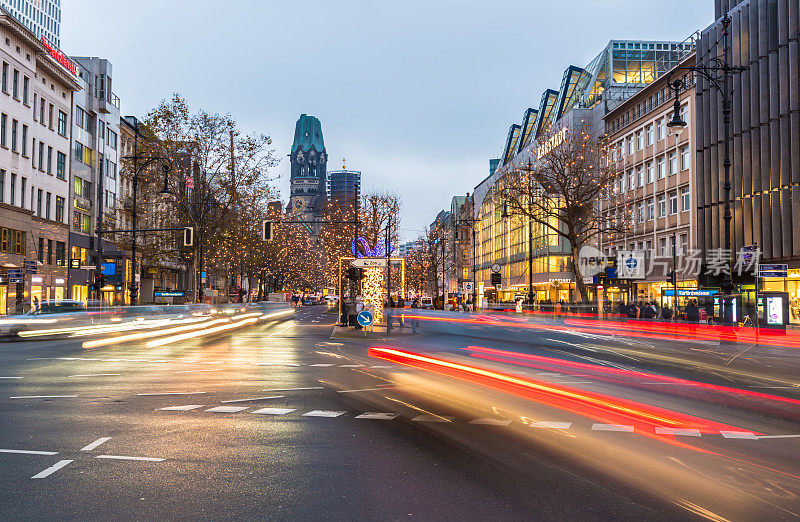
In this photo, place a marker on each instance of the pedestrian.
(401, 304)
(692, 312)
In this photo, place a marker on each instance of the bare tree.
(559, 191)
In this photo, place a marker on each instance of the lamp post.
(718, 74)
(141, 161)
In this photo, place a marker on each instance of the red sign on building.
(60, 57)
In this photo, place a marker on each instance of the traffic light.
(188, 236)
(266, 230)
(99, 283)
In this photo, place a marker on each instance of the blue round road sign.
(364, 318)
(631, 263)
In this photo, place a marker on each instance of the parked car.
(426, 302)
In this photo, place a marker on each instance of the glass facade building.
(42, 17)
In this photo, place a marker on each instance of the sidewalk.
(377, 332)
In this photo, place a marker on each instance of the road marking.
(255, 399)
(10, 377)
(382, 366)
(778, 387)
(489, 421)
(324, 413)
(274, 411)
(168, 393)
(551, 425)
(738, 434)
(277, 364)
(227, 409)
(183, 408)
(125, 457)
(294, 389)
(52, 469)
(574, 382)
(612, 427)
(377, 416)
(28, 452)
(351, 366)
(777, 436)
(362, 390)
(42, 396)
(321, 365)
(96, 443)
(689, 432)
(432, 418)
(98, 375)
(195, 371)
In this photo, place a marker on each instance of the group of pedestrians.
(652, 310)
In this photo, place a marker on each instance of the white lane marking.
(377, 416)
(227, 409)
(10, 377)
(195, 371)
(612, 427)
(98, 375)
(28, 452)
(274, 411)
(491, 422)
(551, 374)
(321, 365)
(168, 393)
(551, 425)
(254, 399)
(324, 413)
(432, 418)
(293, 389)
(183, 408)
(738, 435)
(96, 443)
(361, 390)
(125, 457)
(351, 366)
(281, 331)
(777, 387)
(332, 344)
(777, 436)
(689, 432)
(52, 469)
(42, 396)
(382, 366)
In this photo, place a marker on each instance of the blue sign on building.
(364, 318)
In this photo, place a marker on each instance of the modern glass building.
(42, 17)
(344, 185)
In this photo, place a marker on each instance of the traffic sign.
(369, 262)
(364, 318)
(88, 267)
(631, 264)
(496, 279)
(778, 270)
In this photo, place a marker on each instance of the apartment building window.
(76, 221)
(79, 151)
(61, 253)
(41, 111)
(39, 196)
(649, 135)
(24, 140)
(3, 131)
(41, 156)
(15, 85)
(40, 253)
(651, 210)
(14, 135)
(621, 149)
(101, 129)
(25, 84)
(86, 226)
(61, 165)
(630, 145)
(663, 249)
(60, 209)
(2, 186)
(639, 140)
(110, 199)
(5, 77)
(622, 184)
(662, 167)
(660, 129)
(62, 123)
(23, 183)
(47, 203)
(631, 179)
(13, 200)
(88, 154)
(49, 251)
(80, 117)
(673, 163)
(50, 117)
(662, 206)
(651, 175)
(684, 244)
(685, 158)
(35, 103)
(49, 160)
(685, 199)
(87, 189)
(111, 139)
(640, 175)
(673, 202)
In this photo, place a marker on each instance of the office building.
(41, 17)
(344, 185)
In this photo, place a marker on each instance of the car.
(426, 302)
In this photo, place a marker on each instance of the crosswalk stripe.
(322, 365)
(738, 435)
(690, 432)
(491, 421)
(183, 408)
(274, 411)
(612, 427)
(551, 425)
(227, 409)
(351, 366)
(324, 413)
(377, 416)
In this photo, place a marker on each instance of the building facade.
(765, 150)
(309, 160)
(93, 184)
(41, 17)
(654, 188)
(344, 185)
(35, 115)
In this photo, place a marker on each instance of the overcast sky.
(418, 95)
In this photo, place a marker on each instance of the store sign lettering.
(60, 57)
(552, 142)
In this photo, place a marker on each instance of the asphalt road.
(280, 421)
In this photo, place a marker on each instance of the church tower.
(309, 161)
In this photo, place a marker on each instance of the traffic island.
(373, 332)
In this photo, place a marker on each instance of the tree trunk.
(583, 293)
